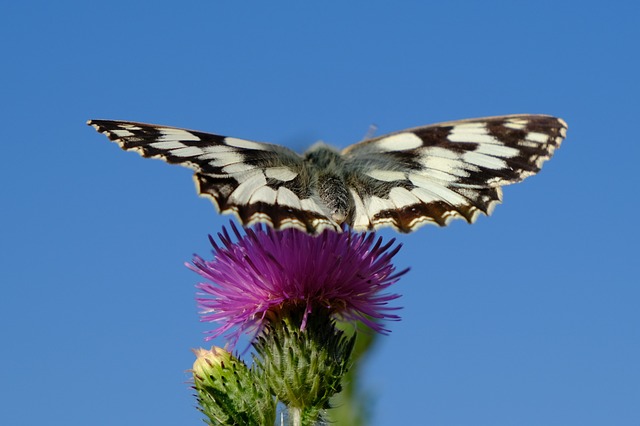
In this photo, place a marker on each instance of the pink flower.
(266, 272)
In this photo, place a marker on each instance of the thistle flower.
(266, 273)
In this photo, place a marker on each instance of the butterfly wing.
(435, 173)
(258, 182)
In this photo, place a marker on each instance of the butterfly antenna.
(370, 132)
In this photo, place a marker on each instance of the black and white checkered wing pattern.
(435, 173)
(429, 174)
(258, 182)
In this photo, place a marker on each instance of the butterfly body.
(428, 174)
(328, 171)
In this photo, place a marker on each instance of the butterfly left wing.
(258, 182)
(435, 173)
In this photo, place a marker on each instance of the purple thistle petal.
(266, 271)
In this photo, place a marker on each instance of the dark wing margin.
(436, 173)
(257, 182)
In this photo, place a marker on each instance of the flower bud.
(304, 368)
(228, 391)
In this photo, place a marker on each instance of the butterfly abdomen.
(334, 193)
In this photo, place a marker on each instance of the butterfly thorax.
(328, 172)
(323, 156)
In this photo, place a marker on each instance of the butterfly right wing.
(435, 173)
(258, 182)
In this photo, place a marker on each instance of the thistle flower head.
(265, 273)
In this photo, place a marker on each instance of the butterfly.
(430, 174)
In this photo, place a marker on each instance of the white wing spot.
(187, 151)
(450, 166)
(472, 138)
(497, 150)
(399, 142)
(244, 176)
(424, 195)
(176, 135)
(311, 205)
(360, 219)
(401, 197)
(467, 133)
(215, 151)
(470, 127)
(441, 192)
(224, 159)
(484, 160)
(435, 151)
(242, 194)
(287, 198)
(241, 143)
(129, 126)
(375, 205)
(563, 130)
(265, 195)
(238, 168)
(121, 133)
(386, 175)
(516, 124)
(283, 174)
(171, 145)
(448, 177)
(537, 137)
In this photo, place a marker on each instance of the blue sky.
(529, 317)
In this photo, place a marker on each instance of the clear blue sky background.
(529, 317)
